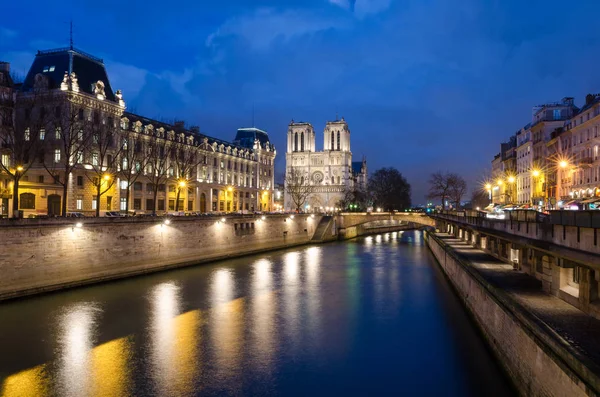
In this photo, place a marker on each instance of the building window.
(57, 133)
(79, 180)
(41, 179)
(79, 203)
(27, 201)
(161, 205)
(137, 186)
(27, 135)
(123, 185)
(576, 274)
(94, 202)
(57, 155)
(137, 204)
(109, 203)
(123, 203)
(149, 204)
(94, 158)
(42, 134)
(171, 205)
(6, 160)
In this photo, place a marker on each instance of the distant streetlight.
(563, 164)
(182, 184)
(106, 177)
(535, 173)
(20, 168)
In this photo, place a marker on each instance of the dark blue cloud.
(425, 85)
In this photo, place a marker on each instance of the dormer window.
(48, 69)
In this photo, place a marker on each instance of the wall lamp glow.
(291, 216)
(223, 220)
(263, 217)
(312, 215)
(167, 222)
(78, 225)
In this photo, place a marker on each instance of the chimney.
(179, 125)
(4, 67)
(589, 98)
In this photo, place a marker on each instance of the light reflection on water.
(342, 316)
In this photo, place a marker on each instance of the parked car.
(75, 215)
(112, 214)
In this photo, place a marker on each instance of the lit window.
(46, 68)
(57, 155)
(123, 186)
(94, 202)
(51, 69)
(79, 203)
(123, 203)
(57, 133)
(94, 158)
(27, 134)
(42, 134)
(6, 159)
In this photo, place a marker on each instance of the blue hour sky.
(425, 85)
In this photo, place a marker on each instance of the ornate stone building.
(331, 171)
(218, 176)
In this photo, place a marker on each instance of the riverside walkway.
(574, 330)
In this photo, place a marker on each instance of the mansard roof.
(54, 63)
(198, 137)
(246, 136)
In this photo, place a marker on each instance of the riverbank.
(59, 254)
(547, 346)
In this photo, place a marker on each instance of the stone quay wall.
(45, 255)
(534, 358)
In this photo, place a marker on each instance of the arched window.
(338, 141)
(302, 141)
(295, 142)
(332, 140)
(27, 201)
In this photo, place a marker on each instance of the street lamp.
(20, 168)
(106, 177)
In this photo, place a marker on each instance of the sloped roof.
(54, 63)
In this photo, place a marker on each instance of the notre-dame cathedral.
(330, 171)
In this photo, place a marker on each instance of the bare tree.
(390, 190)
(439, 187)
(297, 187)
(64, 150)
(185, 161)
(23, 124)
(458, 188)
(134, 160)
(105, 149)
(157, 169)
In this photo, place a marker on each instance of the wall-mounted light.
(167, 222)
(223, 220)
(263, 217)
(291, 216)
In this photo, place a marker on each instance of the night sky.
(425, 85)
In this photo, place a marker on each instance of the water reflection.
(174, 342)
(326, 315)
(226, 327)
(76, 340)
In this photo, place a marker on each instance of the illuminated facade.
(220, 176)
(330, 172)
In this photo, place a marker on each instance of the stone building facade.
(330, 172)
(222, 176)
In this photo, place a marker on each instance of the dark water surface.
(372, 316)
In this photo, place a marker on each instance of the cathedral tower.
(337, 136)
(301, 137)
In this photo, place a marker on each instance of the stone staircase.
(322, 228)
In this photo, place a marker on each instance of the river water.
(371, 316)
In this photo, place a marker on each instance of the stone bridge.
(352, 224)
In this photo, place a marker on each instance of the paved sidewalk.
(578, 329)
